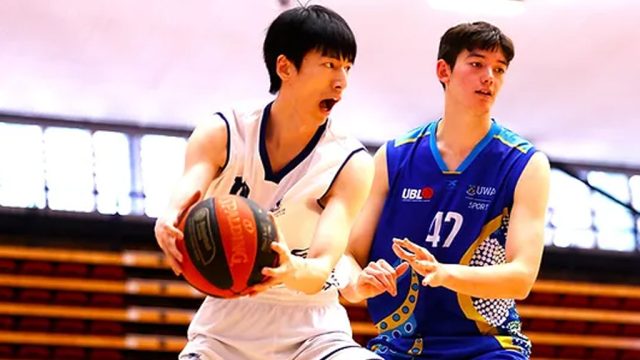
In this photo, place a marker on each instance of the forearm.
(350, 292)
(310, 274)
(504, 281)
(196, 180)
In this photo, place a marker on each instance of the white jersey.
(279, 323)
(293, 193)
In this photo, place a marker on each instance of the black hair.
(297, 31)
(471, 36)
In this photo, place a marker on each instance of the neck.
(288, 124)
(461, 129)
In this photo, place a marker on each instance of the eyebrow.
(475, 54)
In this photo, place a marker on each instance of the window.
(112, 172)
(162, 162)
(614, 222)
(21, 166)
(569, 202)
(69, 169)
(634, 186)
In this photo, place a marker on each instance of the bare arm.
(205, 155)
(524, 246)
(379, 276)
(342, 204)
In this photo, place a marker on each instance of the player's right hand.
(378, 277)
(167, 232)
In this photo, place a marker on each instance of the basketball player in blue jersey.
(290, 158)
(452, 231)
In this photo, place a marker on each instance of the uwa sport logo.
(414, 194)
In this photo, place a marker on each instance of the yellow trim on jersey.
(465, 301)
(521, 148)
(390, 323)
(451, 172)
(417, 347)
(399, 142)
(506, 342)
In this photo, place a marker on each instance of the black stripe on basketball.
(204, 245)
(266, 234)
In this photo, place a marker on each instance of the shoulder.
(354, 177)
(412, 136)
(512, 140)
(338, 136)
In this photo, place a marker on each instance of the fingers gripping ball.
(227, 242)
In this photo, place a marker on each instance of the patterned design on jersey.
(240, 187)
(417, 347)
(517, 340)
(465, 301)
(401, 321)
(494, 311)
(496, 317)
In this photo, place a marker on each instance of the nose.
(488, 77)
(340, 80)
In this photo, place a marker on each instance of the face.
(475, 79)
(317, 85)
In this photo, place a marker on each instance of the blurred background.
(97, 100)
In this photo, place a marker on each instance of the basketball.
(227, 242)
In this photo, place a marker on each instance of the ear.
(443, 71)
(284, 67)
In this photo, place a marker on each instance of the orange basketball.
(227, 242)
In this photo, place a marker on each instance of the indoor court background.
(97, 99)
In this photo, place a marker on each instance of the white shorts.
(252, 329)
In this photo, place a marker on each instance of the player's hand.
(288, 265)
(420, 259)
(167, 233)
(378, 277)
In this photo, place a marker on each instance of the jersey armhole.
(346, 160)
(226, 122)
(513, 181)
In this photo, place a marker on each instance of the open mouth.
(327, 104)
(484, 92)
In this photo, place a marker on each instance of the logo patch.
(480, 197)
(417, 195)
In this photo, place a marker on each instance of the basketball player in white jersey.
(290, 158)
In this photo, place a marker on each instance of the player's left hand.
(288, 265)
(420, 259)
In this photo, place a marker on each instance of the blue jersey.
(461, 217)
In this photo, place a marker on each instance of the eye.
(329, 65)
(347, 68)
(476, 64)
(500, 70)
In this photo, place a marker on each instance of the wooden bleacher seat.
(8, 266)
(69, 326)
(34, 352)
(73, 270)
(7, 322)
(133, 314)
(128, 342)
(7, 293)
(36, 268)
(175, 288)
(69, 353)
(105, 354)
(70, 298)
(143, 259)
